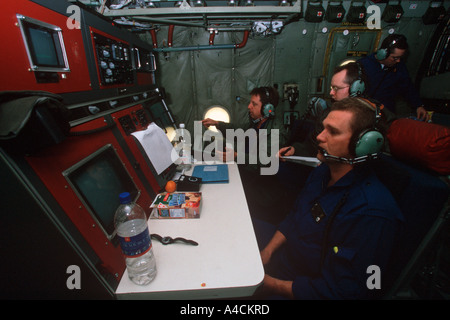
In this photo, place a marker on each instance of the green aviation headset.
(358, 86)
(385, 51)
(267, 109)
(368, 144)
(371, 140)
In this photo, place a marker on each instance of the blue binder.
(211, 173)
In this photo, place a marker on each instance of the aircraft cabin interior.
(104, 97)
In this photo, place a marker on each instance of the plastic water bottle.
(184, 149)
(131, 225)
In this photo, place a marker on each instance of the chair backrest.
(421, 198)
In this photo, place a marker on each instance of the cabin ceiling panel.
(208, 14)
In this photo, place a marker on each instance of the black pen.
(285, 151)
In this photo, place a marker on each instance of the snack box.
(177, 205)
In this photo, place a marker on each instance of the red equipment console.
(36, 40)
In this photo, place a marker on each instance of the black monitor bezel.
(108, 149)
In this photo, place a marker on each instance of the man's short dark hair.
(363, 117)
(393, 41)
(266, 95)
(353, 72)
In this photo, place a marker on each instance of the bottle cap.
(181, 125)
(124, 198)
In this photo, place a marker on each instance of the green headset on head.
(267, 108)
(369, 142)
(389, 43)
(358, 86)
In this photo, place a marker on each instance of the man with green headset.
(388, 77)
(348, 80)
(338, 231)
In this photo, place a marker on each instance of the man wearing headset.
(388, 76)
(338, 228)
(261, 111)
(348, 80)
(261, 191)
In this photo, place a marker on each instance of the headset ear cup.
(369, 142)
(381, 54)
(357, 88)
(268, 110)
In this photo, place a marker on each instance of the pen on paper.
(286, 151)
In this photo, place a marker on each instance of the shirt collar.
(348, 179)
(263, 125)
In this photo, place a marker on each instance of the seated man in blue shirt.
(388, 76)
(343, 223)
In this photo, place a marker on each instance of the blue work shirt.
(362, 234)
(385, 84)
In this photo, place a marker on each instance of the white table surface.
(225, 264)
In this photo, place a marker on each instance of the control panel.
(113, 60)
(130, 121)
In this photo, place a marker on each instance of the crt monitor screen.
(44, 45)
(98, 180)
(43, 48)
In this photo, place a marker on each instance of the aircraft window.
(218, 113)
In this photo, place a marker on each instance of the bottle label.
(136, 246)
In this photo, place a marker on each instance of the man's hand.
(286, 151)
(228, 155)
(209, 122)
(279, 287)
(421, 113)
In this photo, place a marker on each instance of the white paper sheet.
(157, 147)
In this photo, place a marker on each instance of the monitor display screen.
(44, 45)
(98, 180)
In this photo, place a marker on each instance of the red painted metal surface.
(14, 62)
(49, 164)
